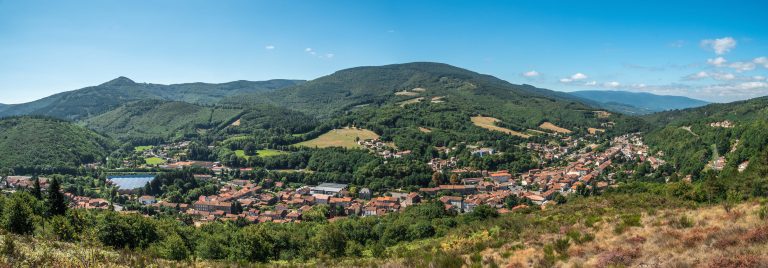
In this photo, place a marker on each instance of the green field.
(140, 149)
(344, 137)
(260, 153)
(241, 154)
(270, 152)
(154, 161)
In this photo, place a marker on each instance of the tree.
(454, 179)
(436, 178)
(236, 207)
(18, 216)
(55, 203)
(37, 191)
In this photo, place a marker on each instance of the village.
(273, 201)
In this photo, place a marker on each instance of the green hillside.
(159, 119)
(44, 142)
(92, 101)
(390, 85)
(692, 138)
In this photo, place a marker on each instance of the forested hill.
(388, 84)
(694, 138)
(638, 102)
(91, 101)
(36, 142)
(746, 110)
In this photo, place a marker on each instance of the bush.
(683, 222)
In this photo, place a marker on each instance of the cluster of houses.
(382, 149)
(723, 124)
(539, 185)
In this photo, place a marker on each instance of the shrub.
(618, 257)
(758, 235)
(682, 223)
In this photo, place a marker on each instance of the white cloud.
(753, 85)
(638, 86)
(574, 77)
(578, 76)
(758, 78)
(612, 84)
(719, 61)
(720, 45)
(329, 55)
(761, 61)
(531, 73)
(739, 66)
(269, 47)
(310, 51)
(697, 76)
(591, 83)
(742, 66)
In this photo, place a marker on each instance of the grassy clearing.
(154, 161)
(490, 124)
(552, 127)
(140, 149)
(270, 152)
(411, 101)
(241, 154)
(595, 130)
(344, 137)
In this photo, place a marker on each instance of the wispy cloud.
(269, 47)
(677, 44)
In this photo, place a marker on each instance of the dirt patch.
(425, 130)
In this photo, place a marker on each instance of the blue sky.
(708, 50)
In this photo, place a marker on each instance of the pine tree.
(56, 203)
(37, 191)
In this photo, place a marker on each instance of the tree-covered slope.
(378, 85)
(92, 101)
(694, 138)
(644, 103)
(44, 142)
(159, 119)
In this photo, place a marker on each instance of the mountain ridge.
(90, 101)
(643, 102)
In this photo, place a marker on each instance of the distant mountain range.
(638, 103)
(92, 101)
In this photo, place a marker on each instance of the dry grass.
(710, 237)
(552, 127)
(425, 130)
(594, 131)
(490, 124)
(236, 123)
(406, 93)
(602, 114)
(344, 137)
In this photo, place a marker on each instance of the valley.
(412, 164)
